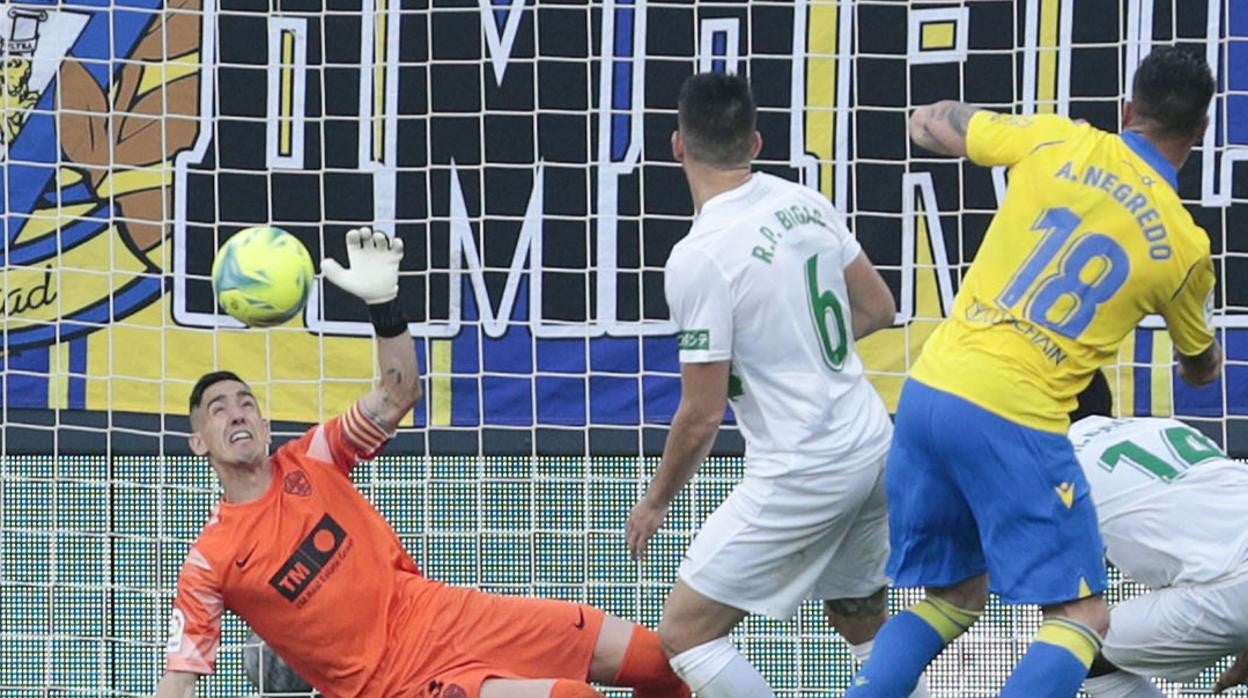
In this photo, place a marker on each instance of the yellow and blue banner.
(527, 169)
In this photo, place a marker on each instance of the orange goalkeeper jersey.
(311, 566)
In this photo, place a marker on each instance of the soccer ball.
(262, 276)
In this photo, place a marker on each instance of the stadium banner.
(521, 149)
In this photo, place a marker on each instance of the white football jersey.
(759, 281)
(1172, 507)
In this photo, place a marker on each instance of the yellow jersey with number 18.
(1090, 238)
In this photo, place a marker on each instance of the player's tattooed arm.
(941, 127)
(399, 388)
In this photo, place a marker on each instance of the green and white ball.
(262, 276)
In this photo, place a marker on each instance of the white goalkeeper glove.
(373, 258)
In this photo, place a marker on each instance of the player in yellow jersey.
(985, 492)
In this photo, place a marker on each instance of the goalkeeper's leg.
(537, 688)
(625, 654)
(631, 655)
(522, 639)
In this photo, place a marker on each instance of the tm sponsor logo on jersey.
(315, 561)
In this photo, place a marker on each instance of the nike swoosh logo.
(580, 619)
(243, 560)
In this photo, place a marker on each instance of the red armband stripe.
(361, 430)
(367, 426)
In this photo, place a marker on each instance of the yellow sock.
(948, 620)
(1073, 636)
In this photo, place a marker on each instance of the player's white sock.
(717, 670)
(862, 653)
(1121, 684)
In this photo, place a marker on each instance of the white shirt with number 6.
(759, 280)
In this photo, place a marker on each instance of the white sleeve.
(850, 249)
(701, 306)
(836, 225)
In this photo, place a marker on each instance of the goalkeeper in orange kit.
(296, 551)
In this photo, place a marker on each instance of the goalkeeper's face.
(229, 428)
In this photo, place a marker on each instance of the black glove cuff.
(388, 319)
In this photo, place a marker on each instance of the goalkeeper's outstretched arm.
(398, 391)
(373, 277)
(176, 684)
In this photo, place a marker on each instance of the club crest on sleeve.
(297, 483)
(177, 626)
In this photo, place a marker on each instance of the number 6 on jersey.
(825, 309)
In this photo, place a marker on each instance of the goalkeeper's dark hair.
(1172, 88)
(206, 381)
(717, 117)
(1094, 400)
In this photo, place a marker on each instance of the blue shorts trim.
(971, 492)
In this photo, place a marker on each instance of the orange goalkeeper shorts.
(464, 637)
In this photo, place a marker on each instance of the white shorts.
(776, 541)
(1177, 632)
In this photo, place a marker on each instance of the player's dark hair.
(717, 118)
(206, 381)
(1096, 399)
(1172, 88)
